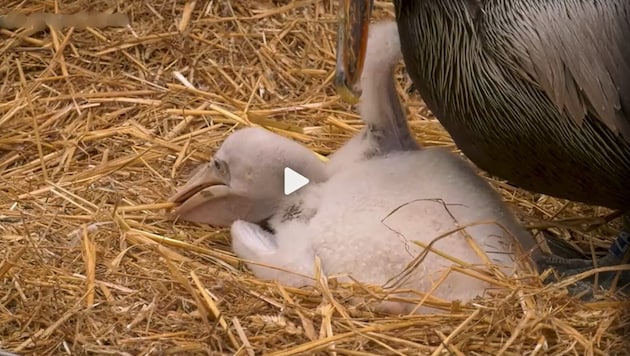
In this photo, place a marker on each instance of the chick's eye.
(219, 166)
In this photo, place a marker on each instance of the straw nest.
(100, 125)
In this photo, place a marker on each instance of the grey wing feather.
(577, 51)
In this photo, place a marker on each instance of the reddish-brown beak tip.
(354, 20)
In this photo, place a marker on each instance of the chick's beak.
(201, 187)
(354, 20)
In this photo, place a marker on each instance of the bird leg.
(615, 256)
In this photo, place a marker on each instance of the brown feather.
(534, 92)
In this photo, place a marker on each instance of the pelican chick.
(373, 213)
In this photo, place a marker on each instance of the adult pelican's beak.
(354, 20)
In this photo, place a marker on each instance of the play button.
(293, 181)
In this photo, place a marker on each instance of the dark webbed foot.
(572, 266)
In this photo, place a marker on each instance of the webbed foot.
(566, 266)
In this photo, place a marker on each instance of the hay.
(98, 127)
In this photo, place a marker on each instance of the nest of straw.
(100, 125)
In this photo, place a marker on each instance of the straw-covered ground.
(99, 126)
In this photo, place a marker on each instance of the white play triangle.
(293, 181)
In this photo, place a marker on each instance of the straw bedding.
(98, 126)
